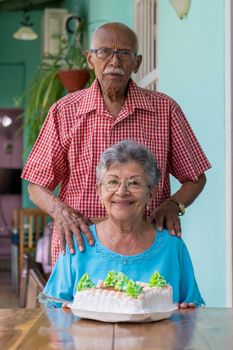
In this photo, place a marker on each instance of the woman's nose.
(122, 188)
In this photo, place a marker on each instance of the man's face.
(113, 73)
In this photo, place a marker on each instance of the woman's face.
(124, 191)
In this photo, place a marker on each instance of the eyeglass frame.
(143, 184)
(133, 53)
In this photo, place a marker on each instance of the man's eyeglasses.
(132, 185)
(104, 53)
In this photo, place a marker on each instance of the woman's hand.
(166, 216)
(69, 222)
(186, 305)
(66, 308)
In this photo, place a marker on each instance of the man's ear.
(89, 59)
(137, 63)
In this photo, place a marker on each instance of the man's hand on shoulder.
(167, 216)
(70, 221)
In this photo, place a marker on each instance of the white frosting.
(154, 299)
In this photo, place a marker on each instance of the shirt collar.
(135, 99)
(138, 98)
(92, 100)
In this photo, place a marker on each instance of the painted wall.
(191, 60)
(109, 11)
(99, 12)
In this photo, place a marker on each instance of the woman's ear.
(99, 193)
(98, 190)
(151, 195)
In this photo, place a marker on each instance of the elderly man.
(81, 125)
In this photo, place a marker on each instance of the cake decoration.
(122, 282)
(133, 289)
(157, 280)
(111, 279)
(85, 282)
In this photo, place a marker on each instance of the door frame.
(228, 147)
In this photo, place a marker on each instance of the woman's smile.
(122, 203)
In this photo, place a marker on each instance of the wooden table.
(33, 329)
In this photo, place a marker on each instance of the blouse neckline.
(128, 259)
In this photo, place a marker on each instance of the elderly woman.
(127, 176)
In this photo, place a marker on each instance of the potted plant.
(74, 73)
(46, 86)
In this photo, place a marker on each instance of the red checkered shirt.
(79, 128)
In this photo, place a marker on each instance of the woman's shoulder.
(171, 239)
(93, 230)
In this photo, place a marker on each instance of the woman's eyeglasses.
(104, 53)
(132, 185)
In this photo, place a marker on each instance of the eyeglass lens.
(123, 54)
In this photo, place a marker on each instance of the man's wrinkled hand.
(70, 221)
(167, 216)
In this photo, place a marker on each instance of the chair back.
(36, 284)
(31, 224)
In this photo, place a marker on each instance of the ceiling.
(15, 5)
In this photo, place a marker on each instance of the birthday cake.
(119, 294)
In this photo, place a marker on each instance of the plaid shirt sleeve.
(187, 161)
(46, 164)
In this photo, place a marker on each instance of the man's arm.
(166, 215)
(67, 220)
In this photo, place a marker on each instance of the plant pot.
(74, 79)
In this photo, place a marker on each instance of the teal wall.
(102, 11)
(97, 12)
(80, 7)
(191, 62)
(17, 51)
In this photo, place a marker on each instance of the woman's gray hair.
(124, 152)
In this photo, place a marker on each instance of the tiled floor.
(8, 298)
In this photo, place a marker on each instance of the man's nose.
(115, 60)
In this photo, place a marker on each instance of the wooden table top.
(205, 328)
